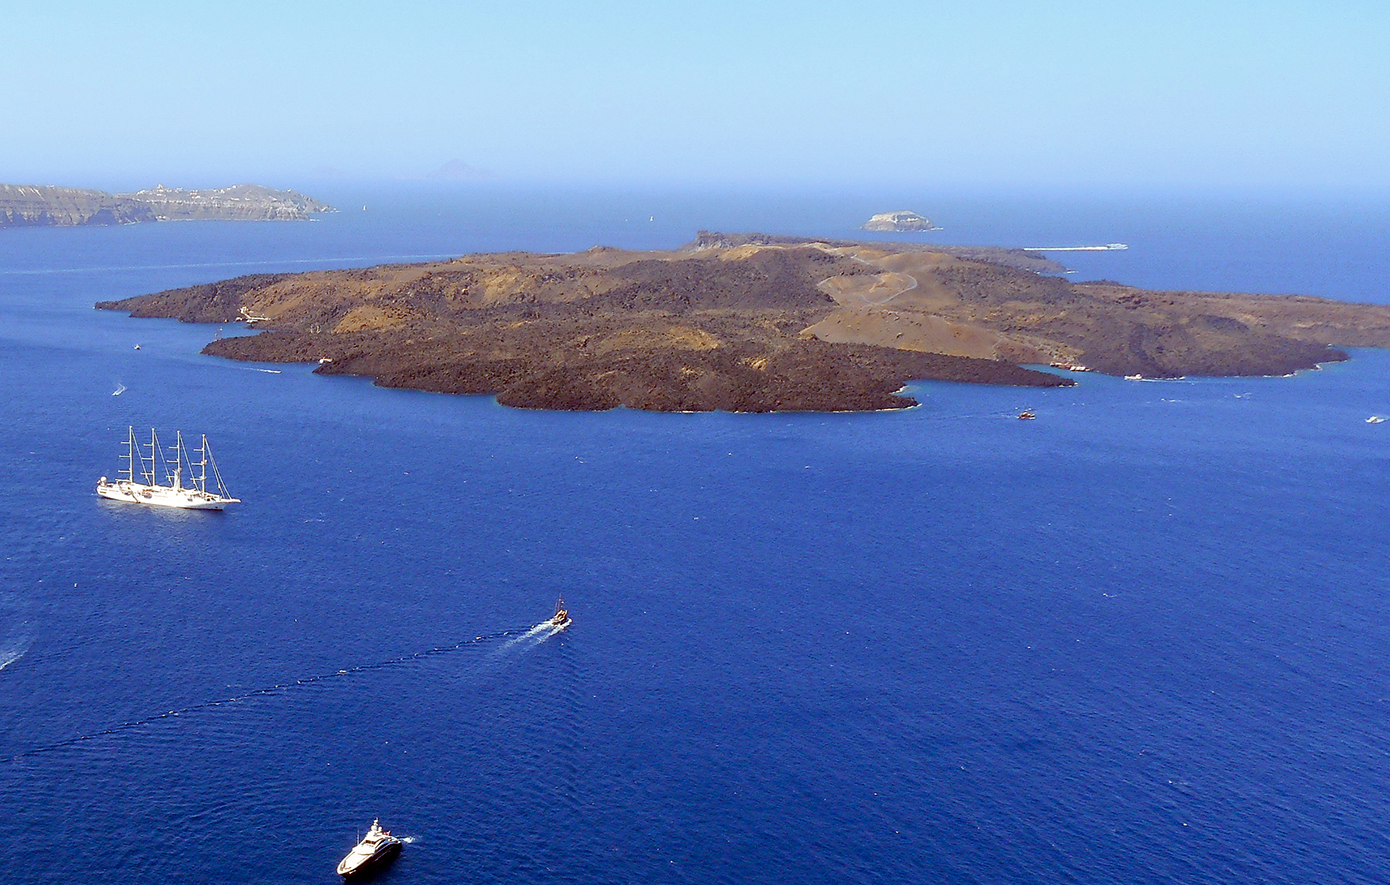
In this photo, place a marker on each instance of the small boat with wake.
(562, 615)
(378, 847)
(1026, 415)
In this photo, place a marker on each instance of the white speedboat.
(376, 848)
(148, 490)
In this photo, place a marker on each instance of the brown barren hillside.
(750, 323)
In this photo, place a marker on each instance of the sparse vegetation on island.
(752, 323)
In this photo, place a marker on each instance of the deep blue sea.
(1142, 639)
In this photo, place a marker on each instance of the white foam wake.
(536, 635)
(13, 652)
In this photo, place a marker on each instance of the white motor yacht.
(376, 848)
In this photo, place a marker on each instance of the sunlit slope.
(750, 324)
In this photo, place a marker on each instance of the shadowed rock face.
(529, 366)
(26, 206)
(748, 323)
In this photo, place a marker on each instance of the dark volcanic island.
(751, 323)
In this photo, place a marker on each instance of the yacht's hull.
(162, 496)
(356, 864)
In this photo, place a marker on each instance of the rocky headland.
(751, 323)
(44, 206)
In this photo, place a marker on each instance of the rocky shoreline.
(751, 323)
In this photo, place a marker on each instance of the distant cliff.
(22, 206)
(243, 202)
(29, 206)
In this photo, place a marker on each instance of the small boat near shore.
(178, 463)
(377, 848)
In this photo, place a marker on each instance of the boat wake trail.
(536, 635)
(12, 652)
(269, 690)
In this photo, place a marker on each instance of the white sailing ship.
(202, 492)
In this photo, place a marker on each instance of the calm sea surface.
(1145, 638)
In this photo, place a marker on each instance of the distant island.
(44, 206)
(898, 222)
(751, 322)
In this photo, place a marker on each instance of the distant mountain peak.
(457, 170)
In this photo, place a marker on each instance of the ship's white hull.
(162, 496)
(377, 847)
(360, 861)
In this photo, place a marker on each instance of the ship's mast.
(174, 480)
(157, 452)
(217, 474)
(151, 475)
(201, 480)
(130, 455)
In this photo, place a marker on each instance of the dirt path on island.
(864, 291)
(845, 289)
(865, 316)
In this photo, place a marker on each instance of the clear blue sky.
(980, 93)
